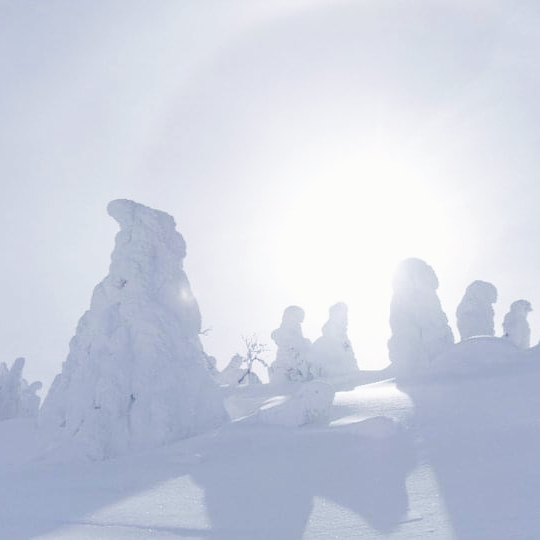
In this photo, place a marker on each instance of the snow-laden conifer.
(135, 375)
(515, 325)
(290, 364)
(420, 329)
(332, 354)
(475, 313)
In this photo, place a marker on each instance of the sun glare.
(346, 226)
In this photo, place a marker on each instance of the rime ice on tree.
(420, 330)
(17, 397)
(475, 312)
(290, 364)
(233, 372)
(332, 354)
(135, 375)
(515, 325)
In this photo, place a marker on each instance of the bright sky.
(304, 148)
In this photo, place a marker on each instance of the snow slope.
(445, 458)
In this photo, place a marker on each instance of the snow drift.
(311, 403)
(135, 375)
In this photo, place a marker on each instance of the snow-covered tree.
(29, 399)
(515, 325)
(332, 353)
(475, 312)
(420, 329)
(211, 365)
(233, 372)
(135, 375)
(17, 397)
(292, 347)
(239, 369)
(254, 353)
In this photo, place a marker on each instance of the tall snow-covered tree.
(290, 364)
(475, 314)
(332, 353)
(515, 325)
(420, 329)
(135, 375)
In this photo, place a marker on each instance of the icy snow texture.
(515, 325)
(290, 364)
(311, 403)
(475, 312)
(135, 375)
(332, 354)
(17, 397)
(419, 326)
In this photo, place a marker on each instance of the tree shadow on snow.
(264, 485)
(258, 482)
(481, 435)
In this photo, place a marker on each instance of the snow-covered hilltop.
(135, 375)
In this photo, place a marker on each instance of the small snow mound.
(477, 354)
(311, 403)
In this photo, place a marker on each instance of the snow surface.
(449, 458)
(136, 373)
(310, 403)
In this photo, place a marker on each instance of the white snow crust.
(332, 355)
(291, 364)
(420, 330)
(475, 312)
(136, 373)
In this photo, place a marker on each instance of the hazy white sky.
(303, 147)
